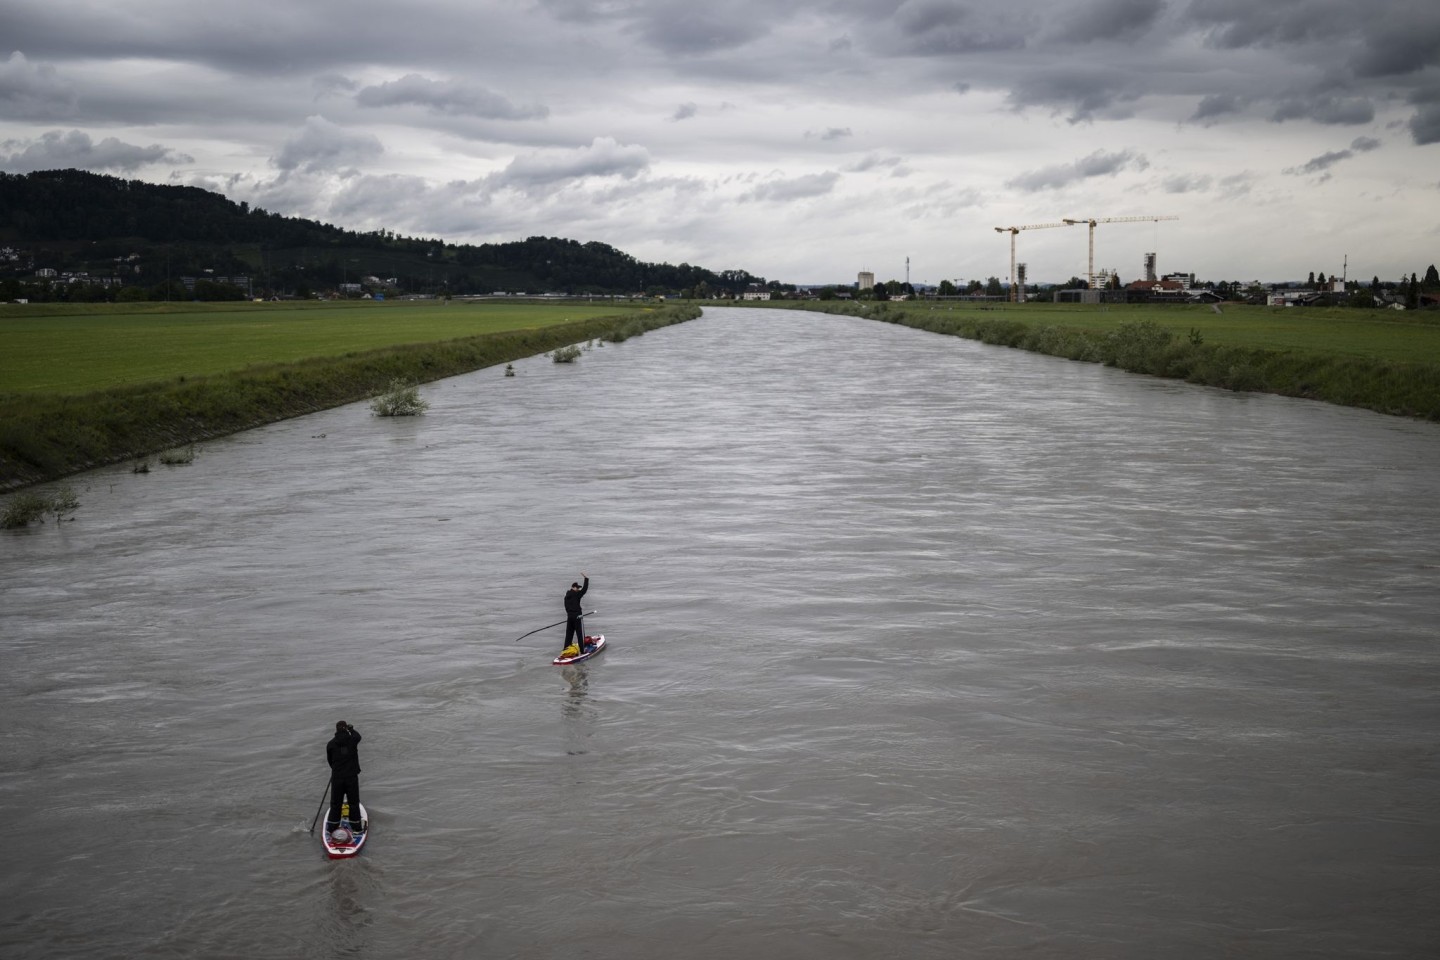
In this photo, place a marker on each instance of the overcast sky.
(803, 141)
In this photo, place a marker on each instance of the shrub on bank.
(400, 399)
(1141, 346)
(178, 458)
(26, 508)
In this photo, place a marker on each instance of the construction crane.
(1016, 294)
(1090, 271)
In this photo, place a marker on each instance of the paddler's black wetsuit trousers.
(349, 789)
(575, 627)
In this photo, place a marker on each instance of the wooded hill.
(136, 240)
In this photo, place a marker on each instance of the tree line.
(134, 240)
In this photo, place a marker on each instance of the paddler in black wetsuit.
(344, 757)
(575, 620)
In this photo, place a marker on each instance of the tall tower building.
(1150, 268)
(865, 280)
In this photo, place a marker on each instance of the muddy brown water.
(920, 648)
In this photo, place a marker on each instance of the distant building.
(1156, 291)
(865, 280)
(1291, 298)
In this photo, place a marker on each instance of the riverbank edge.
(1397, 389)
(48, 438)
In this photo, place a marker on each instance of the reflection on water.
(922, 648)
(346, 932)
(579, 715)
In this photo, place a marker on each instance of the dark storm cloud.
(267, 38)
(1097, 164)
(1425, 125)
(685, 29)
(1082, 92)
(34, 91)
(56, 150)
(455, 98)
(1394, 42)
(1037, 53)
(1233, 24)
(165, 31)
(1218, 105)
(940, 28)
(921, 17)
(1325, 161)
(586, 11)
(1320, 164)
(1400, 42)
(321, 145)
(1120, 20)
(333, 84)
(1328, 110)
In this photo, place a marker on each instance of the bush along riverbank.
(44, 438)
(1144, 346)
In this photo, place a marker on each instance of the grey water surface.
(920, 648)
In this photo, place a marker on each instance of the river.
(920, 648)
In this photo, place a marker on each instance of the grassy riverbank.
(46, 434)
(1379, 360)
(55, 348)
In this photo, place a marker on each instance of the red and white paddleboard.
(592, 646)
(343, 840)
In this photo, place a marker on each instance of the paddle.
(321, 807)
(549, 625)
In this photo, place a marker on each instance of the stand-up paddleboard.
(592, 646)
(344, 839)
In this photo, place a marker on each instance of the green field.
(68, 349)
(1406, 337)
(80, 388)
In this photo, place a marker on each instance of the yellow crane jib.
(1092, 221)
(1017, 295)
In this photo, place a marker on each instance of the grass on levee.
(71, 349)
(1404, 336)
(1382, 360)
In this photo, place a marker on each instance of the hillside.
(106, 238)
